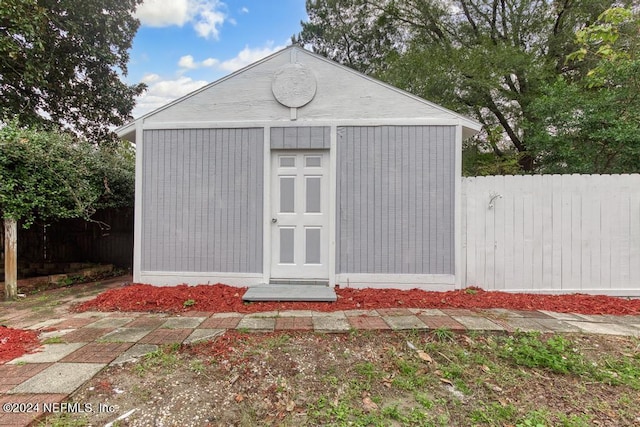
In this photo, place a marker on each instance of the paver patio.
(294, 323)
(437, 322)
(166, 336)
(12, 375)
(221, 323)
(97, 352)
(368, 323)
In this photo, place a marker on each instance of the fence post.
(10, 259)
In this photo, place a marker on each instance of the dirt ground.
(373, 378)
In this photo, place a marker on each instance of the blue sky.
(184, 44)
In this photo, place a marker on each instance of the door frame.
(319, 272)
(266, 223)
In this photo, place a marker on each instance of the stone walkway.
(81, 344)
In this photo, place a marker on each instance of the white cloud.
(210, 62)
(161, 92)
(244, 9)
(150, 78)
(187, 62)
(206, 16)
(208, 19)
(163, 13)
(247, 56)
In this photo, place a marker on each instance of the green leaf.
(62, 63)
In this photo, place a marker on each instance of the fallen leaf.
(388, 381)
(485, 369)
(239, 398)
(446, 381)
(369, 405)
(425, 356)
(291, 406)
(494, 387)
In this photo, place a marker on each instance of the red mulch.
(231, 342)
(222, 298)
(16, 342)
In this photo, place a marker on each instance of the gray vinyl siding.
(395, 199)
(301, 138)
(202, 200)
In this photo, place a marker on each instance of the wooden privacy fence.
(76, 240)
(552, 233)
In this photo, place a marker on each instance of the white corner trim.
(137, 227)
(457, 210)
(431, 282)
(172, 278)
(333, 203)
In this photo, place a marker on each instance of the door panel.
(300, 209)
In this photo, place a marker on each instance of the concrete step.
(287, 292)
(298, 282)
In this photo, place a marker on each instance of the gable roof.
(342, 92)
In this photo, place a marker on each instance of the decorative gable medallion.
(293, 85)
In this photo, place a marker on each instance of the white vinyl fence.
(552, 233)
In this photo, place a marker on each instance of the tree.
(356, 33)
(487, 59)
(590, 122)
(114, 174)
(48, 175)
(61, 63)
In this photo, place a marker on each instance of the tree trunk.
(10, 259)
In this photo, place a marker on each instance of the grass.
(521, 379)
(54, 340)
(64, 420)
(559, 355)
(197, 366)
(277, 341)
(141, 393)
(554, 353)
(165, 357)
(443, 334)
(469, 368)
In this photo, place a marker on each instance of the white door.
(300, 215)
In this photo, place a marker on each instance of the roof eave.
(128, 131)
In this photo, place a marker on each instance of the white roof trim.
(126, 130)
(130, 127)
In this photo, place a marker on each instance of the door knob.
(274, 220)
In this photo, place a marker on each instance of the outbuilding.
(296, 169)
